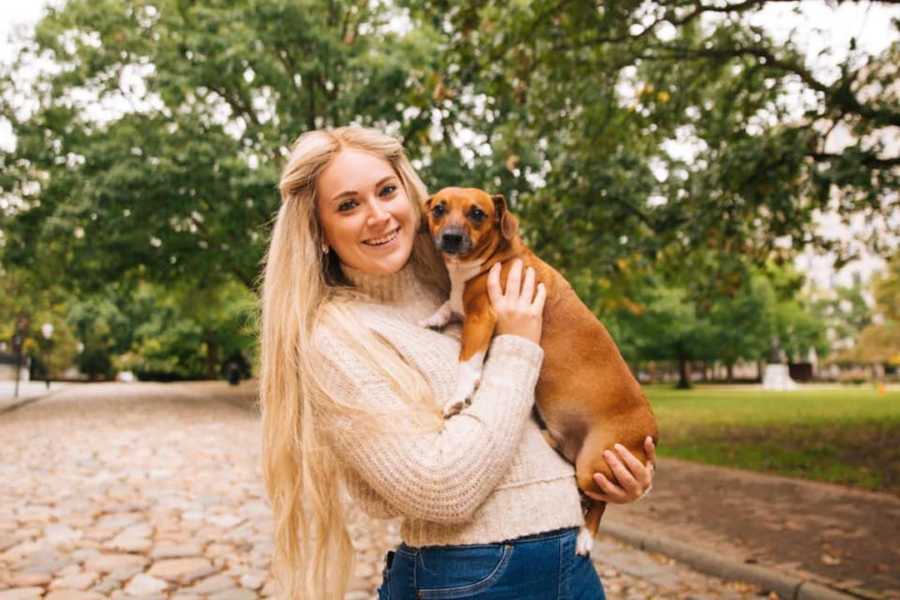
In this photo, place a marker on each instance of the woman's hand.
(519, 309)
(633, 479)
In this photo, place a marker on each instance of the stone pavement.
(148, 490)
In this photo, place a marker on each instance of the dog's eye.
(438, 211)
(477, 214)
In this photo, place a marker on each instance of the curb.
(14, 405)
(788, 587)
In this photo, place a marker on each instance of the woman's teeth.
(384, 240)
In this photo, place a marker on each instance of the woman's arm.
(446, 475)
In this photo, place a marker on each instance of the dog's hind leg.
(588, 531)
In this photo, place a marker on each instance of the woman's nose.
(377, 213)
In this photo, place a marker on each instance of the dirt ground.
(842, 537)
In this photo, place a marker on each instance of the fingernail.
(620, 447)
(607, 454)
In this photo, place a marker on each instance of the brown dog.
(585, 395)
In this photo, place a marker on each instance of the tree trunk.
(212, 358)
(684, 382)
(730, 370)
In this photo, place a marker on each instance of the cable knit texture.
(488, 475)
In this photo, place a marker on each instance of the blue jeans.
(536, 567)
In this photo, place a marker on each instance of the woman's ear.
(509, 225)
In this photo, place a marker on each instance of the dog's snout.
(452, 241)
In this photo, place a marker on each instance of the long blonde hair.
(302, 289)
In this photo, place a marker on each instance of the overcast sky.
(820, 26)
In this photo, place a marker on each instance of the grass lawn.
(849, 435)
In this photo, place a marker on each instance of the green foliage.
(148, 153)
(736, 318)
(21, 294)
(879, 342)
(654, 130)
(185, 333)
(175, 179)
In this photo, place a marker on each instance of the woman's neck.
(385, 287)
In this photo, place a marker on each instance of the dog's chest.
(459, 275)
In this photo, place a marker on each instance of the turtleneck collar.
(384, 287)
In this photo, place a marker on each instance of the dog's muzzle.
(454, 240)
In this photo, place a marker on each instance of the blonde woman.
(351, 389)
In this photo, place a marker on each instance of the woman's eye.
(388, 190)
(345, 206)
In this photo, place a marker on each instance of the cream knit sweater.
(488, 475)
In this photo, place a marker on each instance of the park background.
(718, 181)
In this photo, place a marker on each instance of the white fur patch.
(440, 317)
(585, 542)
(460, 273)
(467, 379)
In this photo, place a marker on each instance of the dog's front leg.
(478, 328)
(440, 317)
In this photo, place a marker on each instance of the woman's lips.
(383, 240)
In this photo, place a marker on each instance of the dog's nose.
(451, 242)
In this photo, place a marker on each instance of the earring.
(325, 248)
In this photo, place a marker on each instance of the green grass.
(849, 435)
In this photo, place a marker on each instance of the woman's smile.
(390, 237)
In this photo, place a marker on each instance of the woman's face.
(365, 213)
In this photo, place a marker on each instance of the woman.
(351, 389)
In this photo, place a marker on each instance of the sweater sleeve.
(441, 476)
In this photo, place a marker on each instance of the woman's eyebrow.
(340, 195)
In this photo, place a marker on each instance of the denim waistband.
(543, 536)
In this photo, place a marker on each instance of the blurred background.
(718, 181)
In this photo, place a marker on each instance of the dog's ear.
(509, 225)
(426, 208)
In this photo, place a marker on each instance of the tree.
(879, 342)
(185, 333)
(167, 171)
(584, 105)
(21, 295)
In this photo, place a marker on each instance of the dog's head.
(466, 222)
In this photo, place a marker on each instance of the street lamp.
(47, 331)
(18, 340)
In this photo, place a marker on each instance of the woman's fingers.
(611, 491)
(650, 449)
(527, 296)
(539, 297)
(596, 496)
(637, 469)
(493, 284)
(514, 280)
(623, 476)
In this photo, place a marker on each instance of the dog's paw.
(439, 319)
(453, 407)
(584, 543)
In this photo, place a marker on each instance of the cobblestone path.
(154, 491)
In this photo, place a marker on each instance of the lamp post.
(47, 332)
(18, 340)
